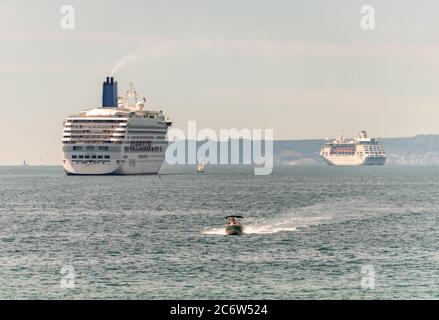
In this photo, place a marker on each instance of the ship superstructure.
(359, 151)
(121, 137)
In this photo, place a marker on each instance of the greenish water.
(309, 233)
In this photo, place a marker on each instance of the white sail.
(200, 166)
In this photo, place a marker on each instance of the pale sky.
(305, 69)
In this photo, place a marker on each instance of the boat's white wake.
(263, 226)
(215, 231)
(317, 214)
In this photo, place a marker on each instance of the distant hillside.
(298, 152)
(421, 149)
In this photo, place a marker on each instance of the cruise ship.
(120, 137)
(359, 151)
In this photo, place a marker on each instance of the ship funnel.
(109, 93)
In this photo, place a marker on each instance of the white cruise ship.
(359, 151)
(121, 137)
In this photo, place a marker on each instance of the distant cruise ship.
(359, 151)
(121, 137)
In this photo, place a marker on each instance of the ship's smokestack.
(109, 93)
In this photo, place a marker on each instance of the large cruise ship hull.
(89, 169)
(128, 167)
(352, 161)
(146, 167)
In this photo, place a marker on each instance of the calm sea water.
(310, 231)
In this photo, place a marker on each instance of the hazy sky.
(303, 68)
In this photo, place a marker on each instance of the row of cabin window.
(90, 148)
(74, 156)
(143, 148)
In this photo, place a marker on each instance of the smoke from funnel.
(148, 51)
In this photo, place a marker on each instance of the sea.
(311, 232)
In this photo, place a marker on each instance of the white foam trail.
(215, 231)
(312, 215)
(272, 226)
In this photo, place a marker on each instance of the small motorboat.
(233, 225)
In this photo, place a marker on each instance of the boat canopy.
(240, 217)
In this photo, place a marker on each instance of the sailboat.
(200, 166)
